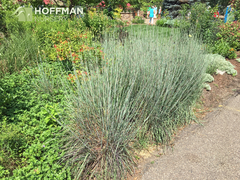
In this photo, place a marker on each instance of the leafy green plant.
(161, 22)
(222, 47)
(96, 22)
(73, 45)
(138, 20)
(29, 145)
(230, 33)
(12, 145)
(48, 27)
(202, 21)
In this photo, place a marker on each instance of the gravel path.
(209, 152)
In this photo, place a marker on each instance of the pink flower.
(46, 1)
(103, 2)
(128, 4)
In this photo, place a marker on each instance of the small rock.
(220, 72)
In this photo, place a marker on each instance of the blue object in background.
(227, 13)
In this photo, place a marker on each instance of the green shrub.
(45, 27)
(161, 22)
(129, 94)
(7, 7)
(230, 33)
(138, 20)
(73, 44)
(96, 22)
(168, 22)
(202, 21)
(222, 47)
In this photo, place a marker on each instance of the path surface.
(147, 21)
(209, 152)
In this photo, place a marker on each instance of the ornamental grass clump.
(173, 69)
(147, 85)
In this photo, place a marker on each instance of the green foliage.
(235, 14)
(211, 69)
(12, 145)
(138, 20)
(166, 14)
(161, 22)
(202, 21)
(42, 28)
(117, 13)
(5, 7)
(96, 22)
(73, 45)
(176, 23)
(207, 86)
(16, 52)
(29, 134)
(219, 62)
(208, 78)
(230, 32)
(222, 47)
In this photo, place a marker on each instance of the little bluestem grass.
(148, 85)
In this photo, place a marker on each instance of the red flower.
(55, 45)
(46, 1)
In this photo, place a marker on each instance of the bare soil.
(222, 88)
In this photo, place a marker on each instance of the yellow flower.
(190, 35)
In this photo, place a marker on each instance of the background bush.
(229, 32)
(161, 22)
(202, 21)
(221, 47)
(138, 20)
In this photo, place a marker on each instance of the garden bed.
(223, 87)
